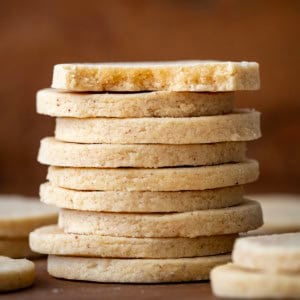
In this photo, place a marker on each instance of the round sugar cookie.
(16, 248)
(134, 270)
(133, 105)
(231, 281)
(281, 213)
(57, 153)
(165, 179)
(52, 240)
(242, 125)
(188, 75)
(277, 253)
(20, 215)
(122, 201)
(15, 274)
(241, 218)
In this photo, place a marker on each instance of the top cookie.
(197, 76)
(271, 253)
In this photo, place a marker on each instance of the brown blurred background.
(35, 35)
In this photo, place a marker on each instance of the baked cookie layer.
(195, 75)
(134, 270)
(278, 253)
(122, 201)
(244, 217)
(20, 215)
(231, 281)
(133, 105)
(242, 125)
(15, 274)
(57, 153)
(165, 179)
(52, 240)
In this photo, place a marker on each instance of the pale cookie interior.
(171, 76)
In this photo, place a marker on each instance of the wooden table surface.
(47, 287)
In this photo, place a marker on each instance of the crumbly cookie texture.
(231, 281)
(52, 240)
(190, 76)
(15, 274)
(57, 153)
(122, 201)
(134, 270)
(242, 125)
(165, 179)
(241, 218)
(281, 213)
(19, 216)
(276, 253)
(133, 105)
(16, 248)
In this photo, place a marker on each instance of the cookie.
(276, 253)
(242, 125)
(122, 201)
(57, 153)
(15, 274)
(16, 248)
(281, 213)
(20, 215)
(195, 75)
(133, 105)
(241, 218)
(231, 281)
(52, 240)
(165, 179)
(134, 270)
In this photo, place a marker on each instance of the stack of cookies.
(148, 164)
